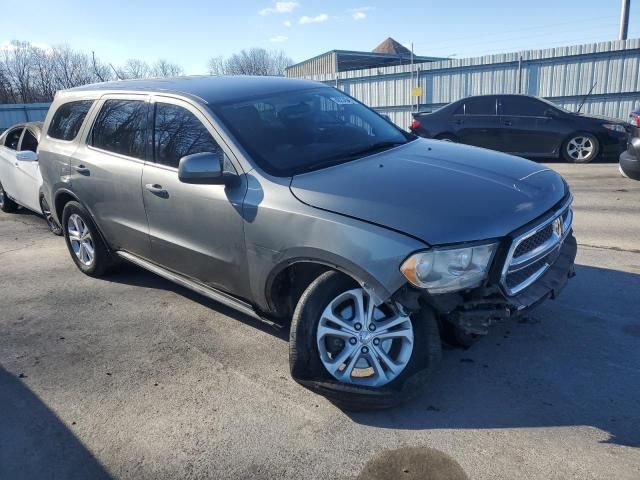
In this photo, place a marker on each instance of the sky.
(189, 32)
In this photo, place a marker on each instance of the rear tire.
(580, 147)
(446, 137)
(51, 222)
(6, 204)
(88, 250)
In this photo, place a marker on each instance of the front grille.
(517, 278)
(534, 241)
(533, 252)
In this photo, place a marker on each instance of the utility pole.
(624, 19)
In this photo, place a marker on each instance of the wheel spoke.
(326, 330)
(394, 322)
(375, 364)
(333, 318)
(388, 362)
(89, 249)
(346, 373)
(405, 333)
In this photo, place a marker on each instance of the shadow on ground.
(574, 361)
(34, 442)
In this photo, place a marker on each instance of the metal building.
(10, 114)
(564, 75)
(388, 53)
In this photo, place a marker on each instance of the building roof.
(391, 46)
(210, 89)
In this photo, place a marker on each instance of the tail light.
(415, 123)
(635, 119)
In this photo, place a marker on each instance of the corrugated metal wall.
(563, 75)
(11, 114)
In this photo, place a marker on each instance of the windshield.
(304, 130)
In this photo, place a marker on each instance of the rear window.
(480, 106)
(68, 119)
(121, 128)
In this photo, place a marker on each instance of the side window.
(68, 119)
(13, 138)
(522, 106)
(121, 127)
(480, 106)
(29, 141)
(178, 133)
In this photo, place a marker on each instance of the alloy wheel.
(1, 196)
(81, 240)
(361, 343)
(580, 147)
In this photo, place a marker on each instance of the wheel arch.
(287, 281)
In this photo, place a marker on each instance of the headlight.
(614, 126)
(450, 269)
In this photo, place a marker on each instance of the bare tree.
(255, 61)
(164, 68)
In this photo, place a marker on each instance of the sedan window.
(522, 106)
(480, 106)
(29, 142)
(13, 138)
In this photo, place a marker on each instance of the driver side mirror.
(27, 156)
(202, 168)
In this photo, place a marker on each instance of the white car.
(20, 178)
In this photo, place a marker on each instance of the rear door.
(195, 230)
(27, 173)
(107, 171)
(526, 126)
(476, 122)
(8, 162)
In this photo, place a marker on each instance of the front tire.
(51, 222)
(6, 204)
(339, 336)
(580, 148)
(84, 242)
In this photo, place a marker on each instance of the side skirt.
(204, 290)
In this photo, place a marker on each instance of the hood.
(600, 118)
(438, 192)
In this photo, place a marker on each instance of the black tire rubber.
(307, 369)
(104, 261)
(456, 336)
(53, 225)
(8, 205)
(446, 137)
(593, 156)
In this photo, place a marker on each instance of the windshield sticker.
(342, 100)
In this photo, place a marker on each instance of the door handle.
(156, 189)
(508, 123)
(81, 169)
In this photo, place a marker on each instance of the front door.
(27, 174)
(527, 128)
(195, 230)
(107, 171)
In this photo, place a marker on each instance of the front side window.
(68, 119)
(121, 128)
(29, 142)
(304, 130)
(13, 138)
(178, 133)
(480, 106)
(522, 106)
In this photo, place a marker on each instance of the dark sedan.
(524, 125)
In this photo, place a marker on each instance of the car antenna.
(587, 96)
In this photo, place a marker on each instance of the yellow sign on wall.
(416, 92)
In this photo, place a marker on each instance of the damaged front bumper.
(476, 310)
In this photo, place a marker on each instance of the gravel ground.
(133, 377)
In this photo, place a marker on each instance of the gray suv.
(292, 202)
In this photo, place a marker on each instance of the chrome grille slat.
(533, 252)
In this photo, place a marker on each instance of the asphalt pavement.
(134, 377)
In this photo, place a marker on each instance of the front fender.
(280, 231)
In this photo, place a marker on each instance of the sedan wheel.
(6, 204)
(581, 148)
(362, 344)
(81, 240)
